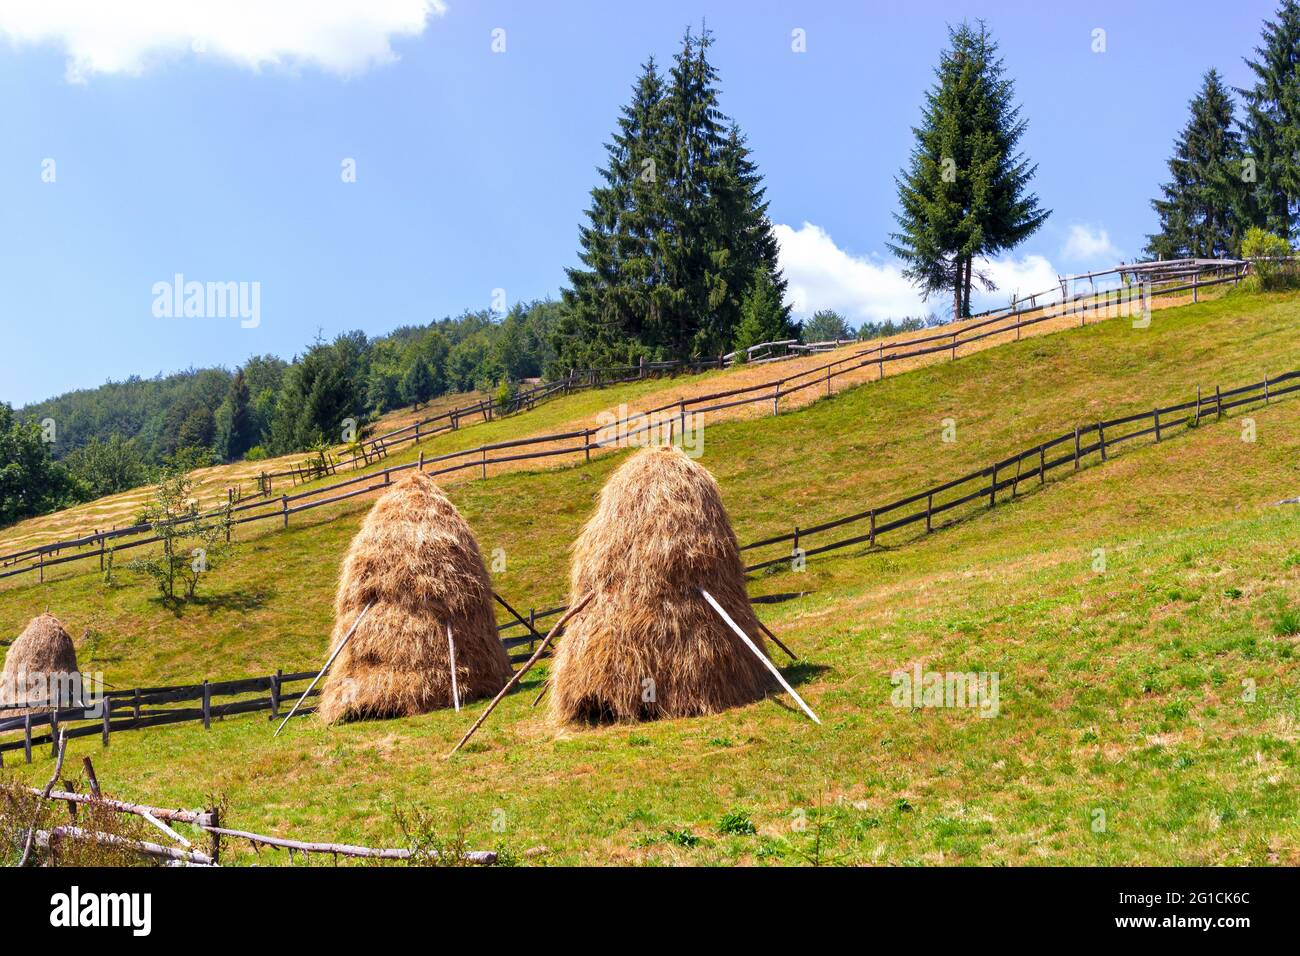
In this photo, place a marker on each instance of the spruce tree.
(1272, 124)
(1202, 207)
(964, 192)
(417, 383)
(676, 229)
(615, 298)
(762, 313)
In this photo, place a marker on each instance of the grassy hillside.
(565, 414)
(1121, 691)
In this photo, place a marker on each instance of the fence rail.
(674, 415)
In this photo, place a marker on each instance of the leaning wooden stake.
(776, 640)
(451, 653)
(518, 675)
(759, 654)
(342, 644)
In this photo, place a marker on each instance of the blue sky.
(210, 142)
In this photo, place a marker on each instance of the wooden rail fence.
(674, 415)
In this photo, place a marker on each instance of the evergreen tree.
(676, 230)
(1272, 125)
(762, 314)
(236, 429)
(964, 192)
(417, 384)
(1202, 208)
(614, 300)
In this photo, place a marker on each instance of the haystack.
(648, 645)
(415, 561)
(39, 668)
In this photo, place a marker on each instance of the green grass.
(1122, 693)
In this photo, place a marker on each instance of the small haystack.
(415, 561)
(649, 645)
(39, 668)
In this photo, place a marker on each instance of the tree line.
(1234, 179)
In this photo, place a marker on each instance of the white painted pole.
(759, 654)
(343, 643)
(451, 648)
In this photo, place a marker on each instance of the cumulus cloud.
(1084, 244)
(130, 36)
(821, 275)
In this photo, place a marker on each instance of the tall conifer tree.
(964, 193)
(1202, 207)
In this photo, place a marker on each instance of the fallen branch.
(45, 837)
(481, 857)
(199, 818)
(518, 675)
(45, 795)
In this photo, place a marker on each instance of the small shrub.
(683, 838)
(737, 823)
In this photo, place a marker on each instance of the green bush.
(1265, 249)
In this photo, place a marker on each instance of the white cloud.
(129, 36)
(1088, 245)
(821, 275)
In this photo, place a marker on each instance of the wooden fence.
(674, 415)
(144, 707)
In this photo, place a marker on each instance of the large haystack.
(40, 668)
(659, 534)
(416, 559)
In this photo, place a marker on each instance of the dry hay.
(660, 532)
(39, 668)
(416, 562)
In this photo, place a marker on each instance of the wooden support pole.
(108, 707)
(1042, 465)
(871, 539)
(993, 486)
(284, 509)
(776, 640)
(1197, 419)
(1218, 402)
(518, 675)
(929, 511)
(1076, 447)
(767, 662)
(1155, 414)
(274, 682)
(338, 650)
(27, 737)
(1101, 440)
(207, 705)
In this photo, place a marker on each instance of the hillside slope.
(1121, 689)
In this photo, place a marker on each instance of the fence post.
(880, 357)
(1042, 465)
(284, 509)
(1265, 389)
(929, 510)
(484, 450)
(1197, 420)
(586, 443)
(871, 541)
(27, 737)
(275, 694)
(1101, 440)
(54, 732)
(993, 486)
(776, 399)
(108, 707)
(1196, 286)
(1076, 447)
(1218, 402)
(135, 706)
(101, 537)
(207, 705)
(795, 549)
